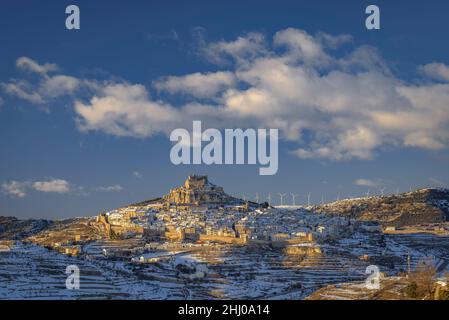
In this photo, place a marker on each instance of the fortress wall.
(224, 239)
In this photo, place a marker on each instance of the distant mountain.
(406, 209)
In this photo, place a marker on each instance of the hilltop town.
(201, 212)
(198, 232)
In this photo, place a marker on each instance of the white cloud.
(113, 188)
(14, 188)
(437, 71)
(366, 183)
(201, 85)
(331, 41)
(46, 87)
(240, 50)
(52, 185)
(27, 64)
(301, 46)
(22, 90)
(21, 189)
(126, 110)
(59, 85)
(350, 106)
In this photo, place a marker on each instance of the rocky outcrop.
(198, 190)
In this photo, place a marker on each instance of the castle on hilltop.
(197, 190)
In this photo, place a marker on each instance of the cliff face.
(406, 209)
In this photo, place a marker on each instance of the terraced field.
(32, 272)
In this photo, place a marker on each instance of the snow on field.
(234, 272)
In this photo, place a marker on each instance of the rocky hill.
(197, 190)
(406, 209)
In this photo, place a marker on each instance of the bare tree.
(422, 279)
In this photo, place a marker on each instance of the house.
(5, 246)
(441, 286)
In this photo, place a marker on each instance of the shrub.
(423, 277)
(116, 236)
(411, 290)
(444, 295)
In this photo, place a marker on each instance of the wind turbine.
(338, 197)
(382, 191)
(367, 193)
(257, 197)
(308, 199)
(294, 198)
(322, 200)
(244, 197)
(269, 199)
(282, 195)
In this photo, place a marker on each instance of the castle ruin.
(197, 190)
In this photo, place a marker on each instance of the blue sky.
(365, 110)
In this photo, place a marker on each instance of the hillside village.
(200, 212)
(193, 227)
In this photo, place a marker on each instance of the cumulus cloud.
(27, 64)
(52, 185)
(47, 87)
(20, 189)
(240, 50)
(201, 85)
(333, 42)
(126, 110)
(329, 106)
(437, 71)
(301, 46)
(23, 90)
(58, 85)
(14, 188)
